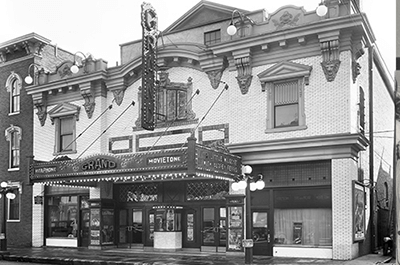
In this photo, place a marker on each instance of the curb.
(65, 261)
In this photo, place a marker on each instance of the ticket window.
(168, 220)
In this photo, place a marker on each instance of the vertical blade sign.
(149, 60)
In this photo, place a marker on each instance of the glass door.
(261, 233)
(214, 228)
(84, 227)
(130, 226)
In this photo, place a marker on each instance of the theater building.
(290, 93)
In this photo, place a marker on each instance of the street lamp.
(8, 193)
(248, 183)
(231, 30)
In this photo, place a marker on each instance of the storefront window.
(62, 216)
(307, 227)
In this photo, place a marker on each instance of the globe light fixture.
(29, 79)
(231, 30)
(75, 67)
(321, 10)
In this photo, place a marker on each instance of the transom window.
(212, 37)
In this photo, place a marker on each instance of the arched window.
(13, 86)
(386, 194)
(13, 136)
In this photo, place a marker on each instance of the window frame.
(282, 72)
(17, 188)
(59, 112)
(13, 133)
(213, 37)
(17, 195)
(14, 81)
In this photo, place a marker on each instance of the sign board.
(247, 243)
(38, 199)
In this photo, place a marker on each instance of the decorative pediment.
(285, 70)
(64, 109)
(287, 17)
(202, 13)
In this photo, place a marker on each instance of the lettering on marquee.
(99, 164)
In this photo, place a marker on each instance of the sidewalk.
(119, 256)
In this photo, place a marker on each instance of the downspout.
(371, 147)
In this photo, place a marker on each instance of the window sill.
(170, 124)
(300, 246)
(65, 153)
(13, 113)
(13, 221)
(13, 169)
(286, 129)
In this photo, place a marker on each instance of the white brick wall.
(343, 172)
(37, 217)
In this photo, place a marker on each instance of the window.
(361, 112)
(286, 104)
(386, 194)
(212, 37)
(13, 136)
(13, 206)
(15, 96)
(172, 103)
(66, 134)
(64, 116)
(14, 150)
(284, 83)
(303, 217)
(63, 213)
(13, 86)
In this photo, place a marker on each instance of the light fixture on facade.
(231, 30)
(75, 67)
(321, 10)
(256, 183)
(29, 79)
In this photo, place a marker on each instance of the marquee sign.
(194, 161)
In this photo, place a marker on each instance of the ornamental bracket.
(87, 93)
(243, 65)
(329, 43)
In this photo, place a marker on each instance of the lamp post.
(6, 192)
(249, 184)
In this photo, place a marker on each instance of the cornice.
(67, 82)
(323, 26)
(301, 149)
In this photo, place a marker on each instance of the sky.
(98, 27)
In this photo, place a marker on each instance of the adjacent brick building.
(20, 57)
(301, 98)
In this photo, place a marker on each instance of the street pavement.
(119, 256)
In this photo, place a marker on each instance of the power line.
(176, 117)
(76, 138)
(132, 104)
(209, 109)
